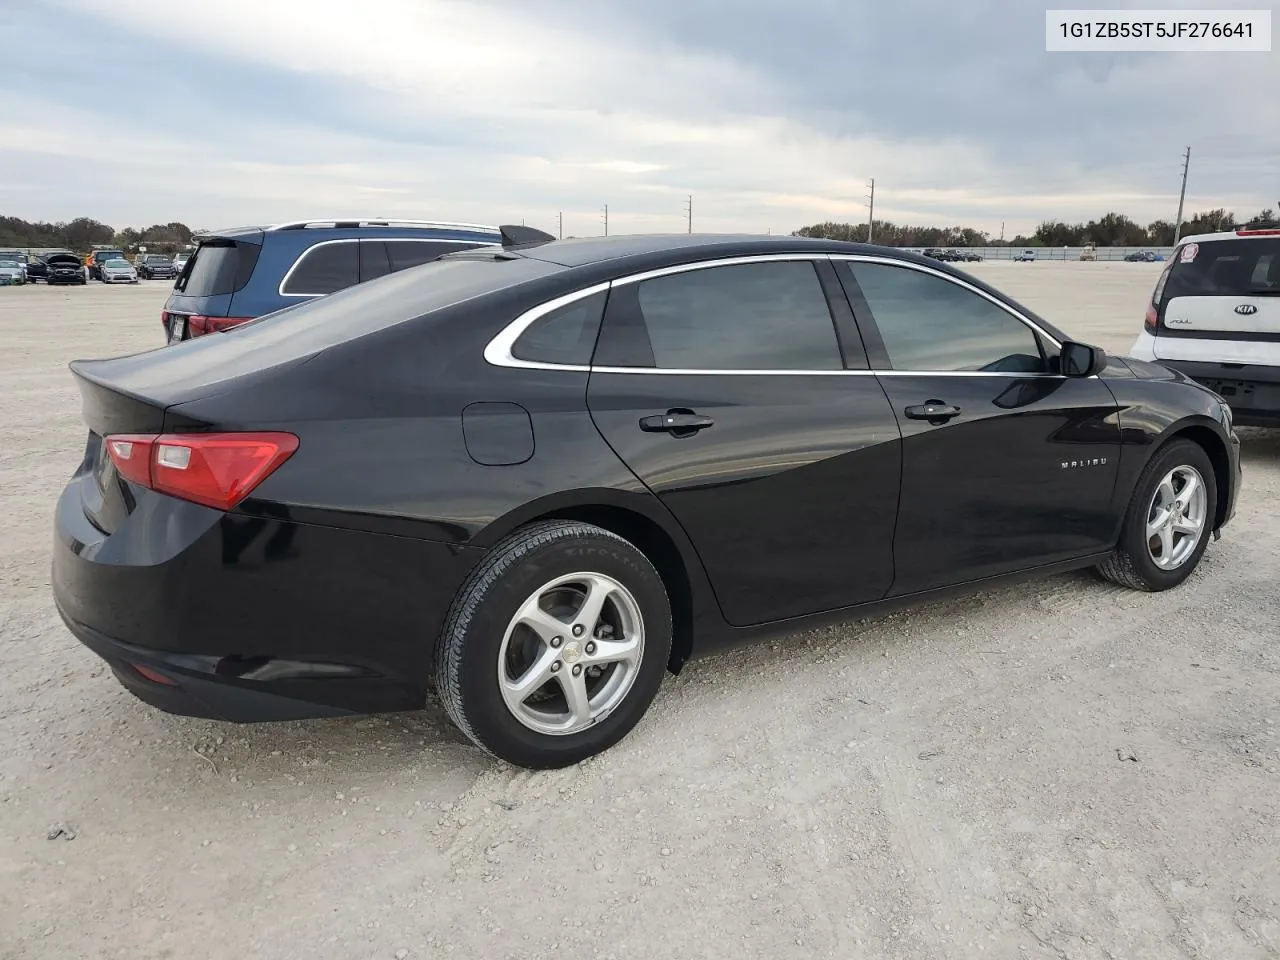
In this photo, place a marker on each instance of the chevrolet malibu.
(539, 475)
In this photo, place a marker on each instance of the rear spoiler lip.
(252, 235)
(108, 408)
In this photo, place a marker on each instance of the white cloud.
(499, 112)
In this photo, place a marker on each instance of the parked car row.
(69, 268)
(953, 255)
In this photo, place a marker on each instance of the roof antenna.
(518, 235)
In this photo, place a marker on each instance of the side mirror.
(1081, 360)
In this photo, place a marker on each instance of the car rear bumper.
(1252, 391)
(191, 686)
(253, 617)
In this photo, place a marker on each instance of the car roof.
(663, 247)
(354, 226)
(1242, 233)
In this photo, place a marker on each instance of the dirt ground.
(1064, 769)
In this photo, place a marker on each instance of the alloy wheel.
(571, 653)
(1176, 517)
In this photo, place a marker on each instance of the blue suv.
(237, 275)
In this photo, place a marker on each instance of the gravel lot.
(1063, 769)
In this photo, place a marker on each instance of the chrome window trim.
(498, 350)
(324, 243)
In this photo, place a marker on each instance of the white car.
(1026, 256)
(12, 272)
(1215, 316)
(180, 261)
(118, 271)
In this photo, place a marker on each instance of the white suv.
(1215, 316)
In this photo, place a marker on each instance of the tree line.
(1110, 230)
(82, 233)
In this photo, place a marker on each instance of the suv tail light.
(1258, 233)
(200, 325)
(1151, 322)
(214, 469)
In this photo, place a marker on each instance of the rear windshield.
(391, 299)
(1226, 268)
(218, 267)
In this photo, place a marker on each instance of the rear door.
(724, 389)
(1226, 291)
(1005, 464)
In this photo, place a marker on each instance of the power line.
(1186, 166)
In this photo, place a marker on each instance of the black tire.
(1130, 564)
(467, 652)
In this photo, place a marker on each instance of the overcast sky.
(772, 113)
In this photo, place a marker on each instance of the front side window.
(325, 268)
(932, 324)
(756, 316)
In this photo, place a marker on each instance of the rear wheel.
(556, 645)
(1169, 520)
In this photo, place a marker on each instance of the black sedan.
(540, 475)
(64, 268)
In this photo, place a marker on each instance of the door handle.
(935, 411)
(678, 423)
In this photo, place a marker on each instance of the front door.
(1005, 465)
(723, 388)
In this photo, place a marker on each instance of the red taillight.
(164, 320)
(149, 674)
(1152, 320)
(200, 325)
(132, 456)
(1258, 233)
(215, 469)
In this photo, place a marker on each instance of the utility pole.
(560, 220)
(606, 219)
(689, 212)
(1186, 165)
(871, 213)
(1002, 233)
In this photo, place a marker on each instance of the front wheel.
(555, 646)
(1169, 520)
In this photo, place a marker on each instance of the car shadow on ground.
(1259, 445)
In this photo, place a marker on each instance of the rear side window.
(217, 268)
(1226, 268)
(325, 268)
(757, 316)
(563, 336)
